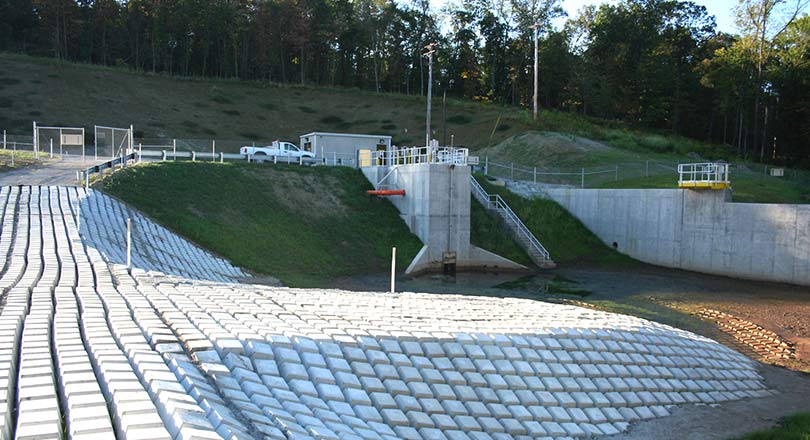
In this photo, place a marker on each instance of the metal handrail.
(415, 155)
(703, 172)
(498, 203)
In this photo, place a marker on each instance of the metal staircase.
(519, 231)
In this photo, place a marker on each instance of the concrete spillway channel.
(174, 349)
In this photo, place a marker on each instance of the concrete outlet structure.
(436, 207)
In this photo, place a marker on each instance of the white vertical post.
(95, 142)
(83, 146)
(86, 180)
(131, 139)
(174, 149)
(582, 183)
(36, 141)
(51, 148)
(393, 269)
(129, 243)
(213, 150)
(535, 174)
(4, 139)
(486, 162)
(140, 151)
(60, 143)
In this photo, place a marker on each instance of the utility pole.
(430, 49)
(534, 98)
(444, 112)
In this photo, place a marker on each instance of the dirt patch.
(316, 196)
(546, 147)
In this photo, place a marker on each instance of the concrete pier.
(436, 207)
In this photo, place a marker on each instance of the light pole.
(534, 98)
(430, 49)
(444, 112)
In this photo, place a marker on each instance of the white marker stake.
(393, 268)
(129, 243)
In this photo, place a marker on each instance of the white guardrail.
(535, 249)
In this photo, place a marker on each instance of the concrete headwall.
(701, 231)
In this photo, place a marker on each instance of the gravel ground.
(52, 173)
(731, 419)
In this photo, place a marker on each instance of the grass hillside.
(303, 225)
(59, 93)
(232, 112)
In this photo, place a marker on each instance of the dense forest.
(652, 64)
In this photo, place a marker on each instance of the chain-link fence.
(592, 177)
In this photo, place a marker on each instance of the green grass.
(566, 238)
(303, 225)
(488, 232)
(748, 188)
(21, 159)
(795, 427)
(159, 106)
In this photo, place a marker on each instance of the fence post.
(213, 150)
(51, 148)
(221, 157)
(486, 165)
(275, 160)
(582, 183)
(301, 160)
(95, 143)
(35, 140)
(86, 180)
(193, 156)
(164, 155)
(174, 149)
(4, 139)
(535, 174)
(616, 179)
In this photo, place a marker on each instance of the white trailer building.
(341, 148)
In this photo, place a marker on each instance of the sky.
(723, 10)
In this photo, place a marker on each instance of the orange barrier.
(386, 192)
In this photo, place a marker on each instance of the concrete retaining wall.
(701, 231)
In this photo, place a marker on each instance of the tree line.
(653, 64)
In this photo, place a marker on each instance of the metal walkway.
(519, 231)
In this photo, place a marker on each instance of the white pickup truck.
(278, 148)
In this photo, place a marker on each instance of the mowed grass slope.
(745, 188)
(303, 225)
(66, 94)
